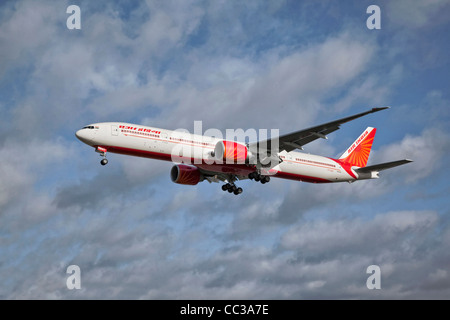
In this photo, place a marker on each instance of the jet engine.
(184, 174)
(231, 152)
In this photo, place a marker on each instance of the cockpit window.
(88, 127)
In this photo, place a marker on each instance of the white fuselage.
(175, 146)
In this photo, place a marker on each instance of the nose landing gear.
(102, 152)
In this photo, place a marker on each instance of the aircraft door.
(114, 130)
(164, 146)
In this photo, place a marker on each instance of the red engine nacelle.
(184, 174)
(231, 152)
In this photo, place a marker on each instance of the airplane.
(198, 157)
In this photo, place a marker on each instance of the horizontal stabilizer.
(382, 166)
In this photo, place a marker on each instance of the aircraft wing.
(296, 140)
(382, 166)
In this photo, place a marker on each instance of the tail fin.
(358, 153)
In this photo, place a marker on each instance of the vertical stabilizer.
(358, 153)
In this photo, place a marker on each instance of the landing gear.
(231, 188)
(102, 152)
(258, 177)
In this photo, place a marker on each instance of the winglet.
(379, 109)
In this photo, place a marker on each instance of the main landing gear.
(257, 177)
(231, 188)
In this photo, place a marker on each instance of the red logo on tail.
(358, 154)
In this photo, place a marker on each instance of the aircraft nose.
(83, 135)
(79, 134)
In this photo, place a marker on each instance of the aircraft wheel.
(265, 179)
(224, 187)
(104, 162)
(257, 177)
(238, 191)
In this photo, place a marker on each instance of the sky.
(278, 64)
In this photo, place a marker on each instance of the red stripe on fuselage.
(140, 153)
(235, 169)
(299, 177)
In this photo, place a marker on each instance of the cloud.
(27, 28)
(426, 150)
(415, 14)
(393, 240)
(292, 83)
(312, 239)
(315, 259)
(20, 169)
